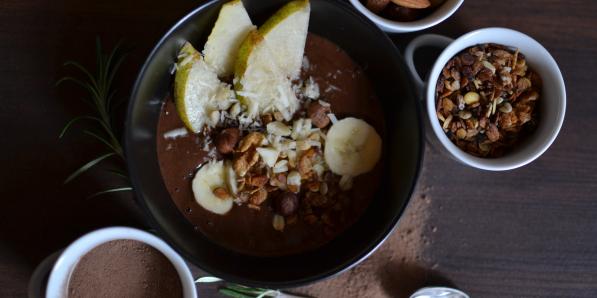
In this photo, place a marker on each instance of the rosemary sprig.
(240, 291)
(103, 105)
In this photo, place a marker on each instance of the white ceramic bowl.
(58, 280)
(552, 107)
(437, 16)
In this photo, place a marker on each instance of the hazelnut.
(318, 114)
(376, 6)
(286, 203)
(227, 139)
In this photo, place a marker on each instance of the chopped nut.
(493, 133)
(235, 109)
(278, 128)
(244, 162)
(471, 98)
(278, 180)
(257, 181)
(506, 108)
(496, 98)
(293, 181)
(278, 222)
(464, 115)
(461, 133)
(258, 197)
(278, 116)
(222, 193)
(227, 139)
(253, 139)
(280, 167)
(313, 186)
(305, 165)
(345, 182)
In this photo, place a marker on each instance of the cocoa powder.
(124, 268)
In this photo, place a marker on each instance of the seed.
(499, 100)
(447, 122)
(493, 106)
(464, 115)
(506, 108)
(471, 97)
(488, 66)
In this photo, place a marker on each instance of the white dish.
(553, 95)
(441, 13)
(66, 263)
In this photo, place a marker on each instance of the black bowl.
(383, 64)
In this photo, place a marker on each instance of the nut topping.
(485, 99)
(227, 139)
(253, 139)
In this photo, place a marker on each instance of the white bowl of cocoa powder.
(120, 262)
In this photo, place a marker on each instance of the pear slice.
(285, 33)
(210, 177)
(231, 28)
(198, 93)
(260, 84)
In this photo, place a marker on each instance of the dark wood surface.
(529, 232)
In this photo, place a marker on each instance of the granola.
(486, 99)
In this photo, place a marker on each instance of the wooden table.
(527, 232)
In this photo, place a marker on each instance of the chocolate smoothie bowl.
(285, 166)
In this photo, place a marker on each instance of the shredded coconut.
(305, 64)
(175, 133)
(333, 118)
(331, 88)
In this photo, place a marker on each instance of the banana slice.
(210, 177)
(353, 147)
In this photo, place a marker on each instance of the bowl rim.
(324, 274)
(417, 25)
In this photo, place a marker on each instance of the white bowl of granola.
(495, 98)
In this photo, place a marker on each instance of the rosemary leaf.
(87, 166)
(73, 121)
(245, 290)
(119, 173)
(269, 293)
(83, 70)
(231, 293)
(116, 150)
